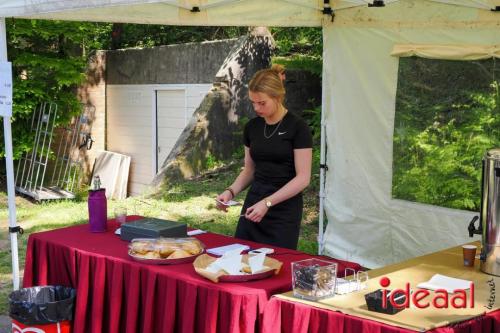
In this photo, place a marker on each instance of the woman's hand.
(256, 212)
(223, 197)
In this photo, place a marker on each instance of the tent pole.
(7, 133)
(323, 167)
(322, 175)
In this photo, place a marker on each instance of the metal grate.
(67, 166)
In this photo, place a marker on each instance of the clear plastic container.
(314, 279)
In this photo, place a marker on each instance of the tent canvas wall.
(358, 93)
(364, 223)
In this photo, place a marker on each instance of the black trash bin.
(47, 308)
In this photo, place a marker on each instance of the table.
(285, 316)
(117, 294)
(284, 313)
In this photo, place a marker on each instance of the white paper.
(231, 264)
(256, 262)
(232, 253)
(219, 251)
(229, 203)
(447, 283)
(5, 89)
(196, 232)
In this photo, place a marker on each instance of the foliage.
(313, 119)
(299, 48)
(211, 162)
(303, 41)
(148, 35)
(312, 64)
(448, 115)
(49, 59)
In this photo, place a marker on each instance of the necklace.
(279, 123)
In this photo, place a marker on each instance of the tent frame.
(9, 161)
(328, 10)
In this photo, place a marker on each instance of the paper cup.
(469, 255)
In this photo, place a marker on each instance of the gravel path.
(5, 325)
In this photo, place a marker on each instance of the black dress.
(272, 153)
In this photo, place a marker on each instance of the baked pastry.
(166, 250)
(193, 247)
(246, 269)
(141, 247)
(177, 254)
(152, 255)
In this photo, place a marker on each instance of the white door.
(171, 118)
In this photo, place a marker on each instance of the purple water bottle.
(98, 207)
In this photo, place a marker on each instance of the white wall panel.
(130, 123)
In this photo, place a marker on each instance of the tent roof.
(173, 12)
(294, 13)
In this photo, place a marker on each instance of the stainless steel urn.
(490, 214)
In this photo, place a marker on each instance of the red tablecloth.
(117, 294)
(284, 316)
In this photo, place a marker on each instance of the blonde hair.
(268, 81)
(279, 69)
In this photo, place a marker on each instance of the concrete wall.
(190, 63)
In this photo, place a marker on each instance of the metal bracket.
(86, 142)
(377, 3)
(327, 10)
(14, 230)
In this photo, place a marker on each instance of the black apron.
(279, 227)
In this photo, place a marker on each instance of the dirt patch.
(3, 181)
(4, 244)
(5, 324)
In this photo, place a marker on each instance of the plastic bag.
(42, 305)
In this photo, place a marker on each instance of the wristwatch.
(268, 203)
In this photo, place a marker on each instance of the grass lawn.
(189, 201)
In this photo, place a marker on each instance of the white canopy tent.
(361, 49)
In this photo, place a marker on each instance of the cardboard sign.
(5, 89)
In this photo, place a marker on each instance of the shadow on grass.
(51, 226)
(207, 185)
(222, 225)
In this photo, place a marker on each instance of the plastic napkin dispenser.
(152, 228)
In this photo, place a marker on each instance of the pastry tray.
(165, 261)
(247, 277)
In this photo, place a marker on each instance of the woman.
(278, 154)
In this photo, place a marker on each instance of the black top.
(272, 150)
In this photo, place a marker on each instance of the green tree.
(49, 59)
(149, 35)
(299, 48)
(447, 116)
